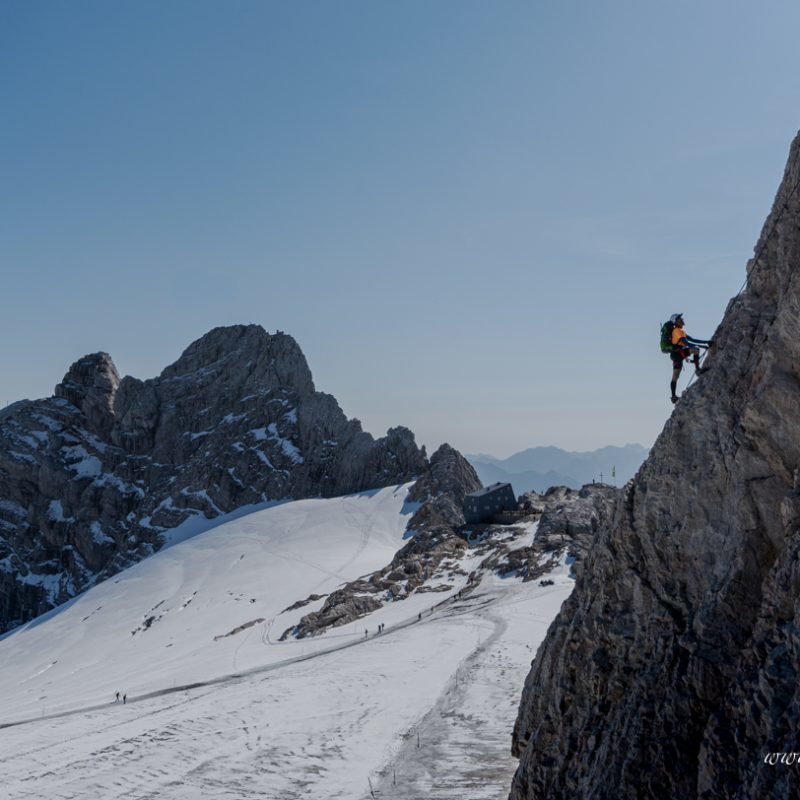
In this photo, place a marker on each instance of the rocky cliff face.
(91, 478)
(672, 670)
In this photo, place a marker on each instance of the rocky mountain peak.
(448, 481)
(245, 354)
(449, 472)
(96, 477)
(91, 385)
(672, 670)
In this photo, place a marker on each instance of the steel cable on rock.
(700, 362)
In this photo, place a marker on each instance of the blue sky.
(472, 216)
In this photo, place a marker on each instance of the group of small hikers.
(681, 347)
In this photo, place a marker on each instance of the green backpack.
(666, 337)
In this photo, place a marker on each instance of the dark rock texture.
(568, 522)
(442, 489)
(433, 537)
(91, 478)
(672, 670)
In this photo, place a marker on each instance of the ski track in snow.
(340, 723)
(463, 751)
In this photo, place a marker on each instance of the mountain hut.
(485, 503)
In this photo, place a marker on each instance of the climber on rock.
(683, 348)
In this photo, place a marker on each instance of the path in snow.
(158, 624)
(323, 728)
(312, 729)
(336, 716)
(463, 751)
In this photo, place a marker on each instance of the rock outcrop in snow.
(672, 670)
(434, 537)
(91, 478)
(439, 542)
(568, 523)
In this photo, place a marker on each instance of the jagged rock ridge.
(92, 477)
(672, 669)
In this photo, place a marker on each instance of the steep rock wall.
(672, 670)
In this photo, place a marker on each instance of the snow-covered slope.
(243, 715)
(157, 624)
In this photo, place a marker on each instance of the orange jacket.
(677, 335)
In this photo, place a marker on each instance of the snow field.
(154, 625)
(332, 716)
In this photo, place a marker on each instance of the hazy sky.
(472, 216)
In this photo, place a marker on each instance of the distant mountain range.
(539, 468)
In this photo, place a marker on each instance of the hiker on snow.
(683, 347)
